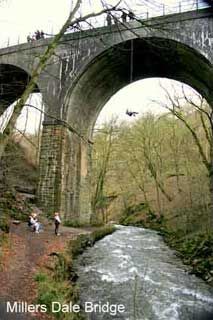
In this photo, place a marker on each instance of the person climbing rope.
(131, 113)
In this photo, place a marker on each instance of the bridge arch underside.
(151, 57)
(13, 81)
(103, 77)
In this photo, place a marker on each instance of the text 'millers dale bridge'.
(88, 67)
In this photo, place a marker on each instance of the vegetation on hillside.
(160, 170)
(18, 172)
(155, 161)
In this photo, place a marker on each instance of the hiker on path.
(33, 222)
(57, 221)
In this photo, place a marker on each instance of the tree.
(178, 109)
(102, 154)
(156, 162)
(73, 20)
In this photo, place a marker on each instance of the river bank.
(194, 249)
(35, 267)
(42, 266)
(57, 281)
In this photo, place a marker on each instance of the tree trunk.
(211, 190)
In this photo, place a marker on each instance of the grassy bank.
(57, 282)
(194, 248)
(4, 242)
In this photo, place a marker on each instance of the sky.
(18, 18)
(143, 96)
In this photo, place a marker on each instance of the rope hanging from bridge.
(131, 113)
(131, 60)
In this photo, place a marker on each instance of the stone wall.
(50, 175)
(64, 183)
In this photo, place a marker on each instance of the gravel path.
(28, 252)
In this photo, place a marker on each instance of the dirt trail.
(27, 252)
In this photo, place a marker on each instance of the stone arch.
(65, 162)
(152, 57)
(13, 81)
(103, 77)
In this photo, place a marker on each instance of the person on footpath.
(57, 221)
(33, 223)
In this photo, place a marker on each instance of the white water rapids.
(133, 267)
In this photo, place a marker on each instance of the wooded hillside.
(159, 165)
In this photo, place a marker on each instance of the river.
(133, 275)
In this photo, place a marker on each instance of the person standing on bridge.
(57, 221)
(42, 34)
(37, 35)
(124, 16)
(29, 38)
(131, 15)
(109, 20)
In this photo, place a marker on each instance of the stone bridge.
(87, 69)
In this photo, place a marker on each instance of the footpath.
(24, 255)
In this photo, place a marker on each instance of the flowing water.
(135, 269)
